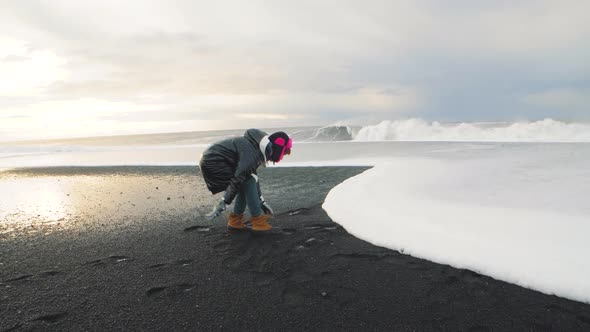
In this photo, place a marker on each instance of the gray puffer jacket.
(226, 164)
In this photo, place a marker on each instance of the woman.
(230, 165)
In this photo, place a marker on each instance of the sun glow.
(29, 70)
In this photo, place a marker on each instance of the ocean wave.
(324, 134)
(547, 130)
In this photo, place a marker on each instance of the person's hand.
(217, 210)
(266, 208)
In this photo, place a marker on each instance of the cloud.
(215, 62)
(75, 117)
(25, 72)
(15, 58)
(15, 116)
(266, 116)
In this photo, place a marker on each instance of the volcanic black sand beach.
(127, 248)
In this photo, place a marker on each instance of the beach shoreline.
(107, 248)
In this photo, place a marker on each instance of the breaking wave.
(547, 130)
(324, 134)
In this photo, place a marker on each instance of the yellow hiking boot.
(260, 223)
(236, 221)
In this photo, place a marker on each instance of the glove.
(217, 210)
(266, 208)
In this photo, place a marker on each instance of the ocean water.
(517, 212)
(312, 144)
(153, 149)
(509, 200)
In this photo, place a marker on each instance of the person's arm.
(240, 175)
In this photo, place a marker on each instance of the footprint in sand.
(322, 227)
(26, 277)
(198, 229)
(183, 262)
(180, 262)
(157, 266)
(52, 318)
(19, 278)
(111, 260)
(14, 327)
(297, 211)
(170, 291)
(50, 273)
(289, 231)
(311, 242)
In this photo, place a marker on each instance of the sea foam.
(547, 130)
(517, 212)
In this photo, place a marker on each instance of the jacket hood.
(254, 136)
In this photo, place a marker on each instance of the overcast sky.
(85, 68)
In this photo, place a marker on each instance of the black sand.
(128, 256)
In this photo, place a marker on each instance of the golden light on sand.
(44, 201)
(51, 204)
(30, 203)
